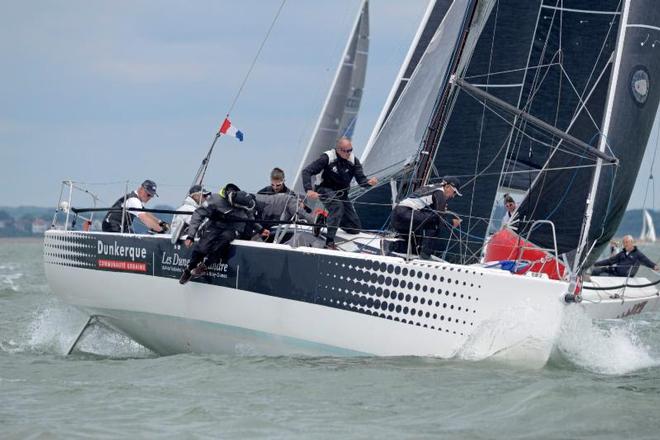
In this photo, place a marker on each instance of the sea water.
(603, 381)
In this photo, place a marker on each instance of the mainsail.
(340, 110)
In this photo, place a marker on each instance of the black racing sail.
(599, 89)
(632, 108)
(578, 49)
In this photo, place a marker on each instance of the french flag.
(228, 129)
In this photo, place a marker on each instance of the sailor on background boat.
(338, 167)
(423, 211)
(180, 222)
(135, 199)
(222, 210)
(510, 207)
(625, 263)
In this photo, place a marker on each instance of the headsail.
(340, 110)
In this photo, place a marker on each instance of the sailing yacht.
(554, 102)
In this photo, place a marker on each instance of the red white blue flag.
(228, 129)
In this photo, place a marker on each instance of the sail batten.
(581, 11)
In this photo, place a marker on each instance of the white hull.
(438, 310)
(619, 303)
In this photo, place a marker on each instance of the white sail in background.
(648, 229)
(341, 106)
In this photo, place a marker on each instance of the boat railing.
(64, 205)
(553, 249)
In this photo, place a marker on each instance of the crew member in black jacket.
(338, 167)
(625, 263)
(277, 185)
(424, 210)
(222, 210)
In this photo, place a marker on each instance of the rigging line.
(524, 80)
(504, 72)
(540, 129)
(256, 57)
(534, 127)
(483, 111)
(554, 147)
(535, 88)
(602, 225)
(544, 177)
(572, 167)
(583, 104)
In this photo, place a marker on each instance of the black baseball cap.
(150, 187)
(454, 182)
(198, 189)
(231, 187)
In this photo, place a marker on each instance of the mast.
(586, 225)
(434, 129)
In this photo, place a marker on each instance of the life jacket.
(112, 220)
(422, 197)
(337, 175)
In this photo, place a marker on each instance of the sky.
(110, 92)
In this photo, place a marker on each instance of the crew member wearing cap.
(338, 167)
(135, 199)
(510, 206)
(196, 195)
(424, 209)
(222, 211)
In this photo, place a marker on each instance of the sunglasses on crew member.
(349, 150)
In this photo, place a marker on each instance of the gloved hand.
(164, 227)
